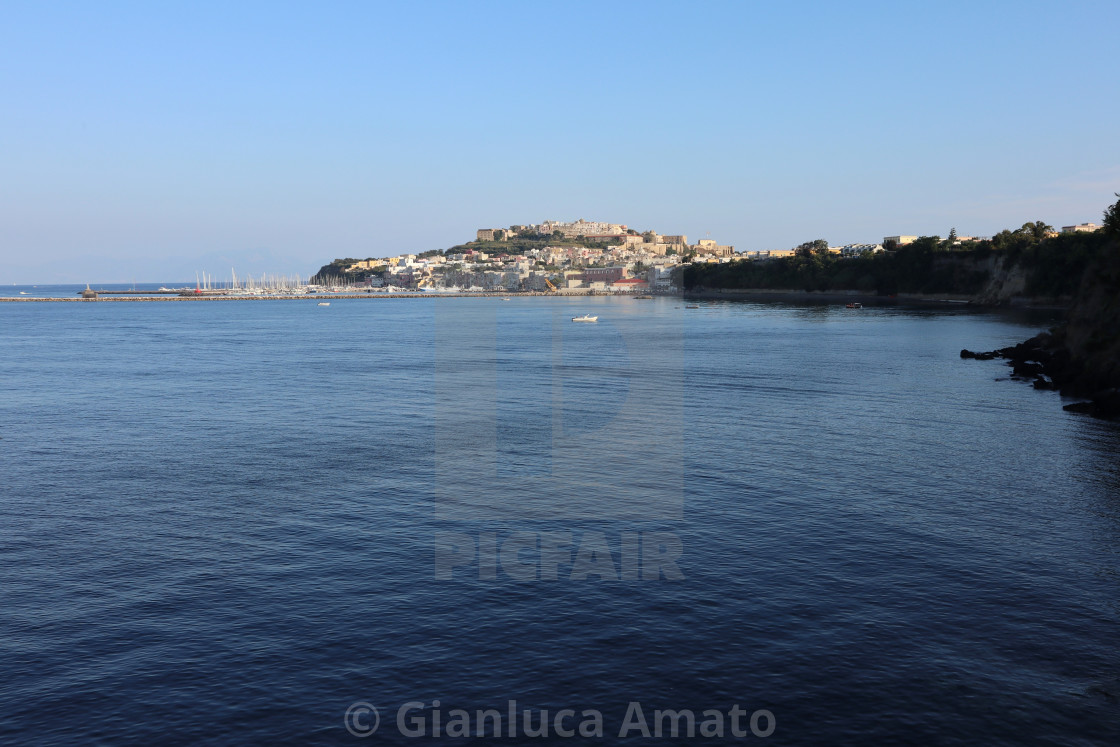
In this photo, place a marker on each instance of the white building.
(660, 277)
(1081, 228)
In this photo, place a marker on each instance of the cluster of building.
(617, 269)
(617, 259)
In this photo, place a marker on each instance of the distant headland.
(553, 255)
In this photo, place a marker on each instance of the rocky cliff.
(1007, 280)
(1081, 358)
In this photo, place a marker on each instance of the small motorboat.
(585, 318)
(324, 303)
(692, 307)
(854, 305)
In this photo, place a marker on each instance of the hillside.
(335, 270)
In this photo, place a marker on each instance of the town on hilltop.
(578, 257)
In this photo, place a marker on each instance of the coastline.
(312, 297)
(745, 294)
(935, 299)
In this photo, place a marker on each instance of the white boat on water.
(324, 303)
(585, 318)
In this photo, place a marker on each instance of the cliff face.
(1006, 280)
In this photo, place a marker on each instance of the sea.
(468, 520)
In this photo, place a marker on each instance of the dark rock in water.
(1027, 368)
(1105, 404)
(1039, 358)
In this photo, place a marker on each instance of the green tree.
(1036, 231)
(925, 244)
(952, 234)
(818, 247)
(1112, 218)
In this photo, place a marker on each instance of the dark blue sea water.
(227, 523)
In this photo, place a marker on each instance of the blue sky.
(149, 141)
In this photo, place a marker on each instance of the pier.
(137, 293)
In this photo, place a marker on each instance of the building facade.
(1081, 228)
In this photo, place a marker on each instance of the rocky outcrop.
(1081, 358)
(1046, 362)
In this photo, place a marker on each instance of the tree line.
(1054, 264)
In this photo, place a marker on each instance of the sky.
(150, 141)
